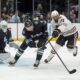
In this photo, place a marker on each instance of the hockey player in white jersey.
(65, 31)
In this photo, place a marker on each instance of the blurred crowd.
(17, 17)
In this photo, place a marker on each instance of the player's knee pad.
(40, 51)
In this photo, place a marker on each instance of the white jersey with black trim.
(64, 25)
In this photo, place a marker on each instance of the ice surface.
(54, 70)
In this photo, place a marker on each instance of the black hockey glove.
(55, 33)
(30, 42)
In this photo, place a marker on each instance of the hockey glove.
(55, 33)
(30, 42)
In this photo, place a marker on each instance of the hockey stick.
(70, 72)
(49, 40)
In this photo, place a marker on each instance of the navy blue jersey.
(4, 38)
(39, 31)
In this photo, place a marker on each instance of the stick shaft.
(59, 57)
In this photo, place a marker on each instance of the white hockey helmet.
(54, 13)
(3, 25)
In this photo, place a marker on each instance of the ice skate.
(76, 51)
(50, 57)
(12, 62)
(36, 64)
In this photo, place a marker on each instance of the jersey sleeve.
(26, 33)
(9, 35)
(44, 29)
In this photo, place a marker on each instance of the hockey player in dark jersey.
(5, 37)
(35, 36)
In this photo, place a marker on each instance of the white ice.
(23, 70)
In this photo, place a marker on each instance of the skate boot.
(12, 62)
(36, 64)
(75, 51)
(50, 57)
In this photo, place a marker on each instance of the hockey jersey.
(39, 31)
(64, 25)
(4, 38)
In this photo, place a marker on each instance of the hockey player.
(65, 31)
(35, 36)
(5, 37)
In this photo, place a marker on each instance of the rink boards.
(16, 29)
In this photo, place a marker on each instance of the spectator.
(48, 17)
(15, 18)
(23, 18)
(4, 16)
(4, 10)
(39, 8)
(73, 16)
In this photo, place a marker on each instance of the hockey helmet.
(28, 23)
(3, 25)
(54, 13)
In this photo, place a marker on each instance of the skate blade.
(35, 68)
(11, 65)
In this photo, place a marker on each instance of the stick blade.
(73, 71)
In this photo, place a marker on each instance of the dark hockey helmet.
(28, 23)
